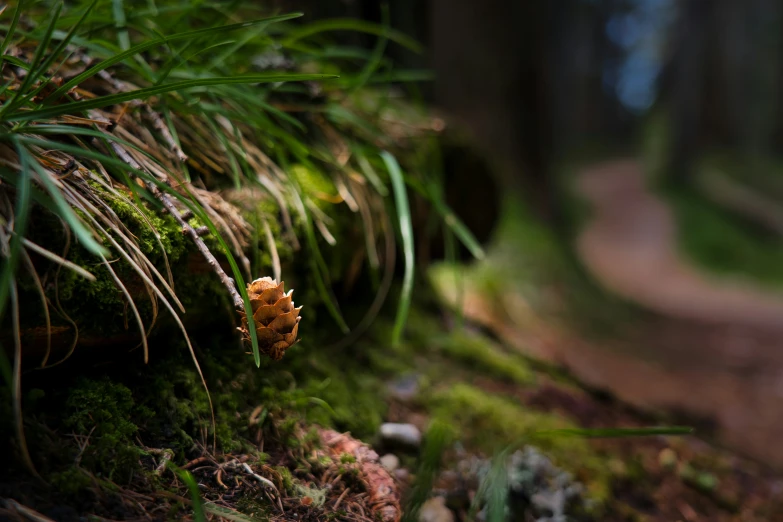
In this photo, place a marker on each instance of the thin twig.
(259, 478)
(161, 127)
(195, 461)
(165, 199)
(340, 498)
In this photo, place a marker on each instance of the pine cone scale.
(285, 323)
(266, 314)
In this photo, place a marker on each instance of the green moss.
(347, 458)
(101, 410)
(286, 477)
(482, 355)
(490, 423)
(316, 184)
(99, 307)
(71, 482)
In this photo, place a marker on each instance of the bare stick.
(161, 127)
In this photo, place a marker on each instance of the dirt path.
(718, 345)
(630, 246)
(714, 351)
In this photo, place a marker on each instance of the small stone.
(404, 389)
(667, 459)
(390, 462)
(435, 510)
(551, 502)
(407, 434)
(402, 474)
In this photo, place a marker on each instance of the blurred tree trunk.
(722, 83)
(493, 73)
(684, 84)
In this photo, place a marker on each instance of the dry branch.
(169, 205)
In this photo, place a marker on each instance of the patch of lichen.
(490, 423)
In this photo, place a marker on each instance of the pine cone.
(276, 319)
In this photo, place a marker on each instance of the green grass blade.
(406, 232)
(318, 268)
(459, 229)
(187, 35)
(64, 210)
(22, 213)
(221, 57)
(195, 494)
(493, 490)
(351, 24)
(436, 442)
(73, 130)
(227, 513)
(12, 28)
(16, 62)
(58, 51)
(377, 54)
(178, 60)
(120, 23)
(146, 92)
(35, 71)
(66, 40)
(369, 173)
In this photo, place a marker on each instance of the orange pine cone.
(276, 319)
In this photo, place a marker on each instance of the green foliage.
(484, 355)
(73, 482)
(527, 259)
(436, 441)
(492, 423)
(724, 243)
(102, 411)
(195, 495)
(406, 232)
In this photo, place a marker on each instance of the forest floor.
(630, 245)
